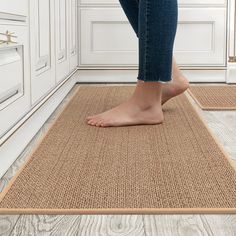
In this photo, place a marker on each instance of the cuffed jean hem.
(160, 81)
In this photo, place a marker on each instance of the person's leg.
(157, 29)
(157, 23)
(180, 82)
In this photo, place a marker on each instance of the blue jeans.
(155, 24)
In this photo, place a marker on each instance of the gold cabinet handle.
(232, 58)
(9, 37)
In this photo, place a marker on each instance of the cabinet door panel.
(43, 34)
(108, 39)
(42, 53)
(72, 13)
(201, 37)
(14, 77)
(13, 7)
(61, 39)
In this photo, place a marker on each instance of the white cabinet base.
(13, 146)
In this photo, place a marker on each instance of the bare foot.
(174, 88)
(144, 107)
(127, 113)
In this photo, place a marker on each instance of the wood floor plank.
(7, 224)
(222, 126)
(93, 225)
(220, 225)
(178, 225)
(194, 225)
(111, 225)
(43, 225)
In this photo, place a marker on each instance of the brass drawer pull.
(9, 37)
(41, 67)
(232, 58)
(60, 58)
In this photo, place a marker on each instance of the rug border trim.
(115, 211)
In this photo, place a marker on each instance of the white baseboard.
(125, 76)
(206, 76)
(231, 73)
(16, 143)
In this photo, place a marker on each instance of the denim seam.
(146, 39)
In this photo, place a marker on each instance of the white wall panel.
(107, 38)
(61, 39)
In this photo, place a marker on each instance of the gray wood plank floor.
(222, 123)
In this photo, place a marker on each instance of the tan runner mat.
(175, 167)
(214, 97)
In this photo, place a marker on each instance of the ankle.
(146, 104)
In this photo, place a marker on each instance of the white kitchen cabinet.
(36, 73)
(15, 77)
(107, 38)
(65, 38)
(42, 48)
(61, 39)
(53, 43)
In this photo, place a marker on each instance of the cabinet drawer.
(108, 39)
(14, 7)
(11, 80)
(180, 2)
(14, 77)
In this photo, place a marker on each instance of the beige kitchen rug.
(214, 97)
(174, 167)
